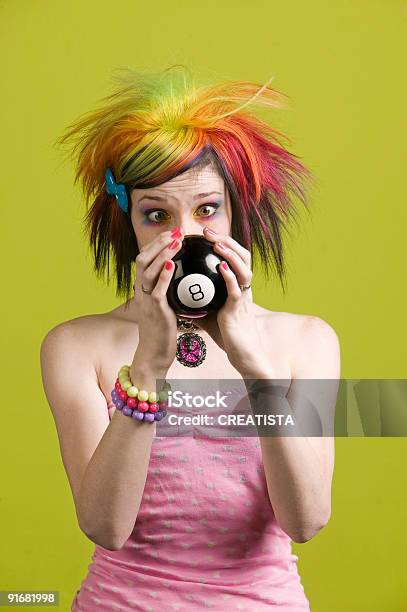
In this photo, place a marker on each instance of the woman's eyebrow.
(162, 199)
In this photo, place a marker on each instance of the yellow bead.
(153, 397)
(126, 385)
(132, 391)
(142, 395)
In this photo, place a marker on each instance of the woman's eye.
(208, 206)
(150, 216)
(154, 215)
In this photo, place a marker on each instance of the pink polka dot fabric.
(205, 537)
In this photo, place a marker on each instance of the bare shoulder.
(312, 343)
(88, 335)
(287, 324)
(294, 323)
(85, 323)
(82, 327)
(101, 341)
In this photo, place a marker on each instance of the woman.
(186, 523)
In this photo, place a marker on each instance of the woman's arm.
(299, 469)
(106, 463)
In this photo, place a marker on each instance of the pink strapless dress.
(205, 537)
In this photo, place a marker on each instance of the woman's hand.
(233, 327)
(157, 322)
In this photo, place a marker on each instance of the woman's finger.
(147, 255)
(231, 243)
(164, 279)
(151, 273)
(234, 291)
(241, 270)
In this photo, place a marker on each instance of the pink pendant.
(191, 350)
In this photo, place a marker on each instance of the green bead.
(142, 395)
(126, 385)
(132, 391)
(163, 396)
(152, 397)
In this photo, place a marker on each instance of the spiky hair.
(153, 127)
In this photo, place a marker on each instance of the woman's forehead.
(192, 180)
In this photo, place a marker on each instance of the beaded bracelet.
(139, 403)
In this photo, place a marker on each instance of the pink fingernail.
(176, 232)
(225, 265)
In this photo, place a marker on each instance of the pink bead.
(153, 407)
(132, 402)
(162, 405)
(143, 406)
(117, 384)
(123, 395)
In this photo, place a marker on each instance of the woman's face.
(182, 202)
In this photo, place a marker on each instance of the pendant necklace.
(191, 348)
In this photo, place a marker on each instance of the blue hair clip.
(116, 189)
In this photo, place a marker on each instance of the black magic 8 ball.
(197, 287)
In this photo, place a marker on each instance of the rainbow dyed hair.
(157, 125)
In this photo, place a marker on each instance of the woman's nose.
(189, 228)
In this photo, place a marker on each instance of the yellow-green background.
(343, 65)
